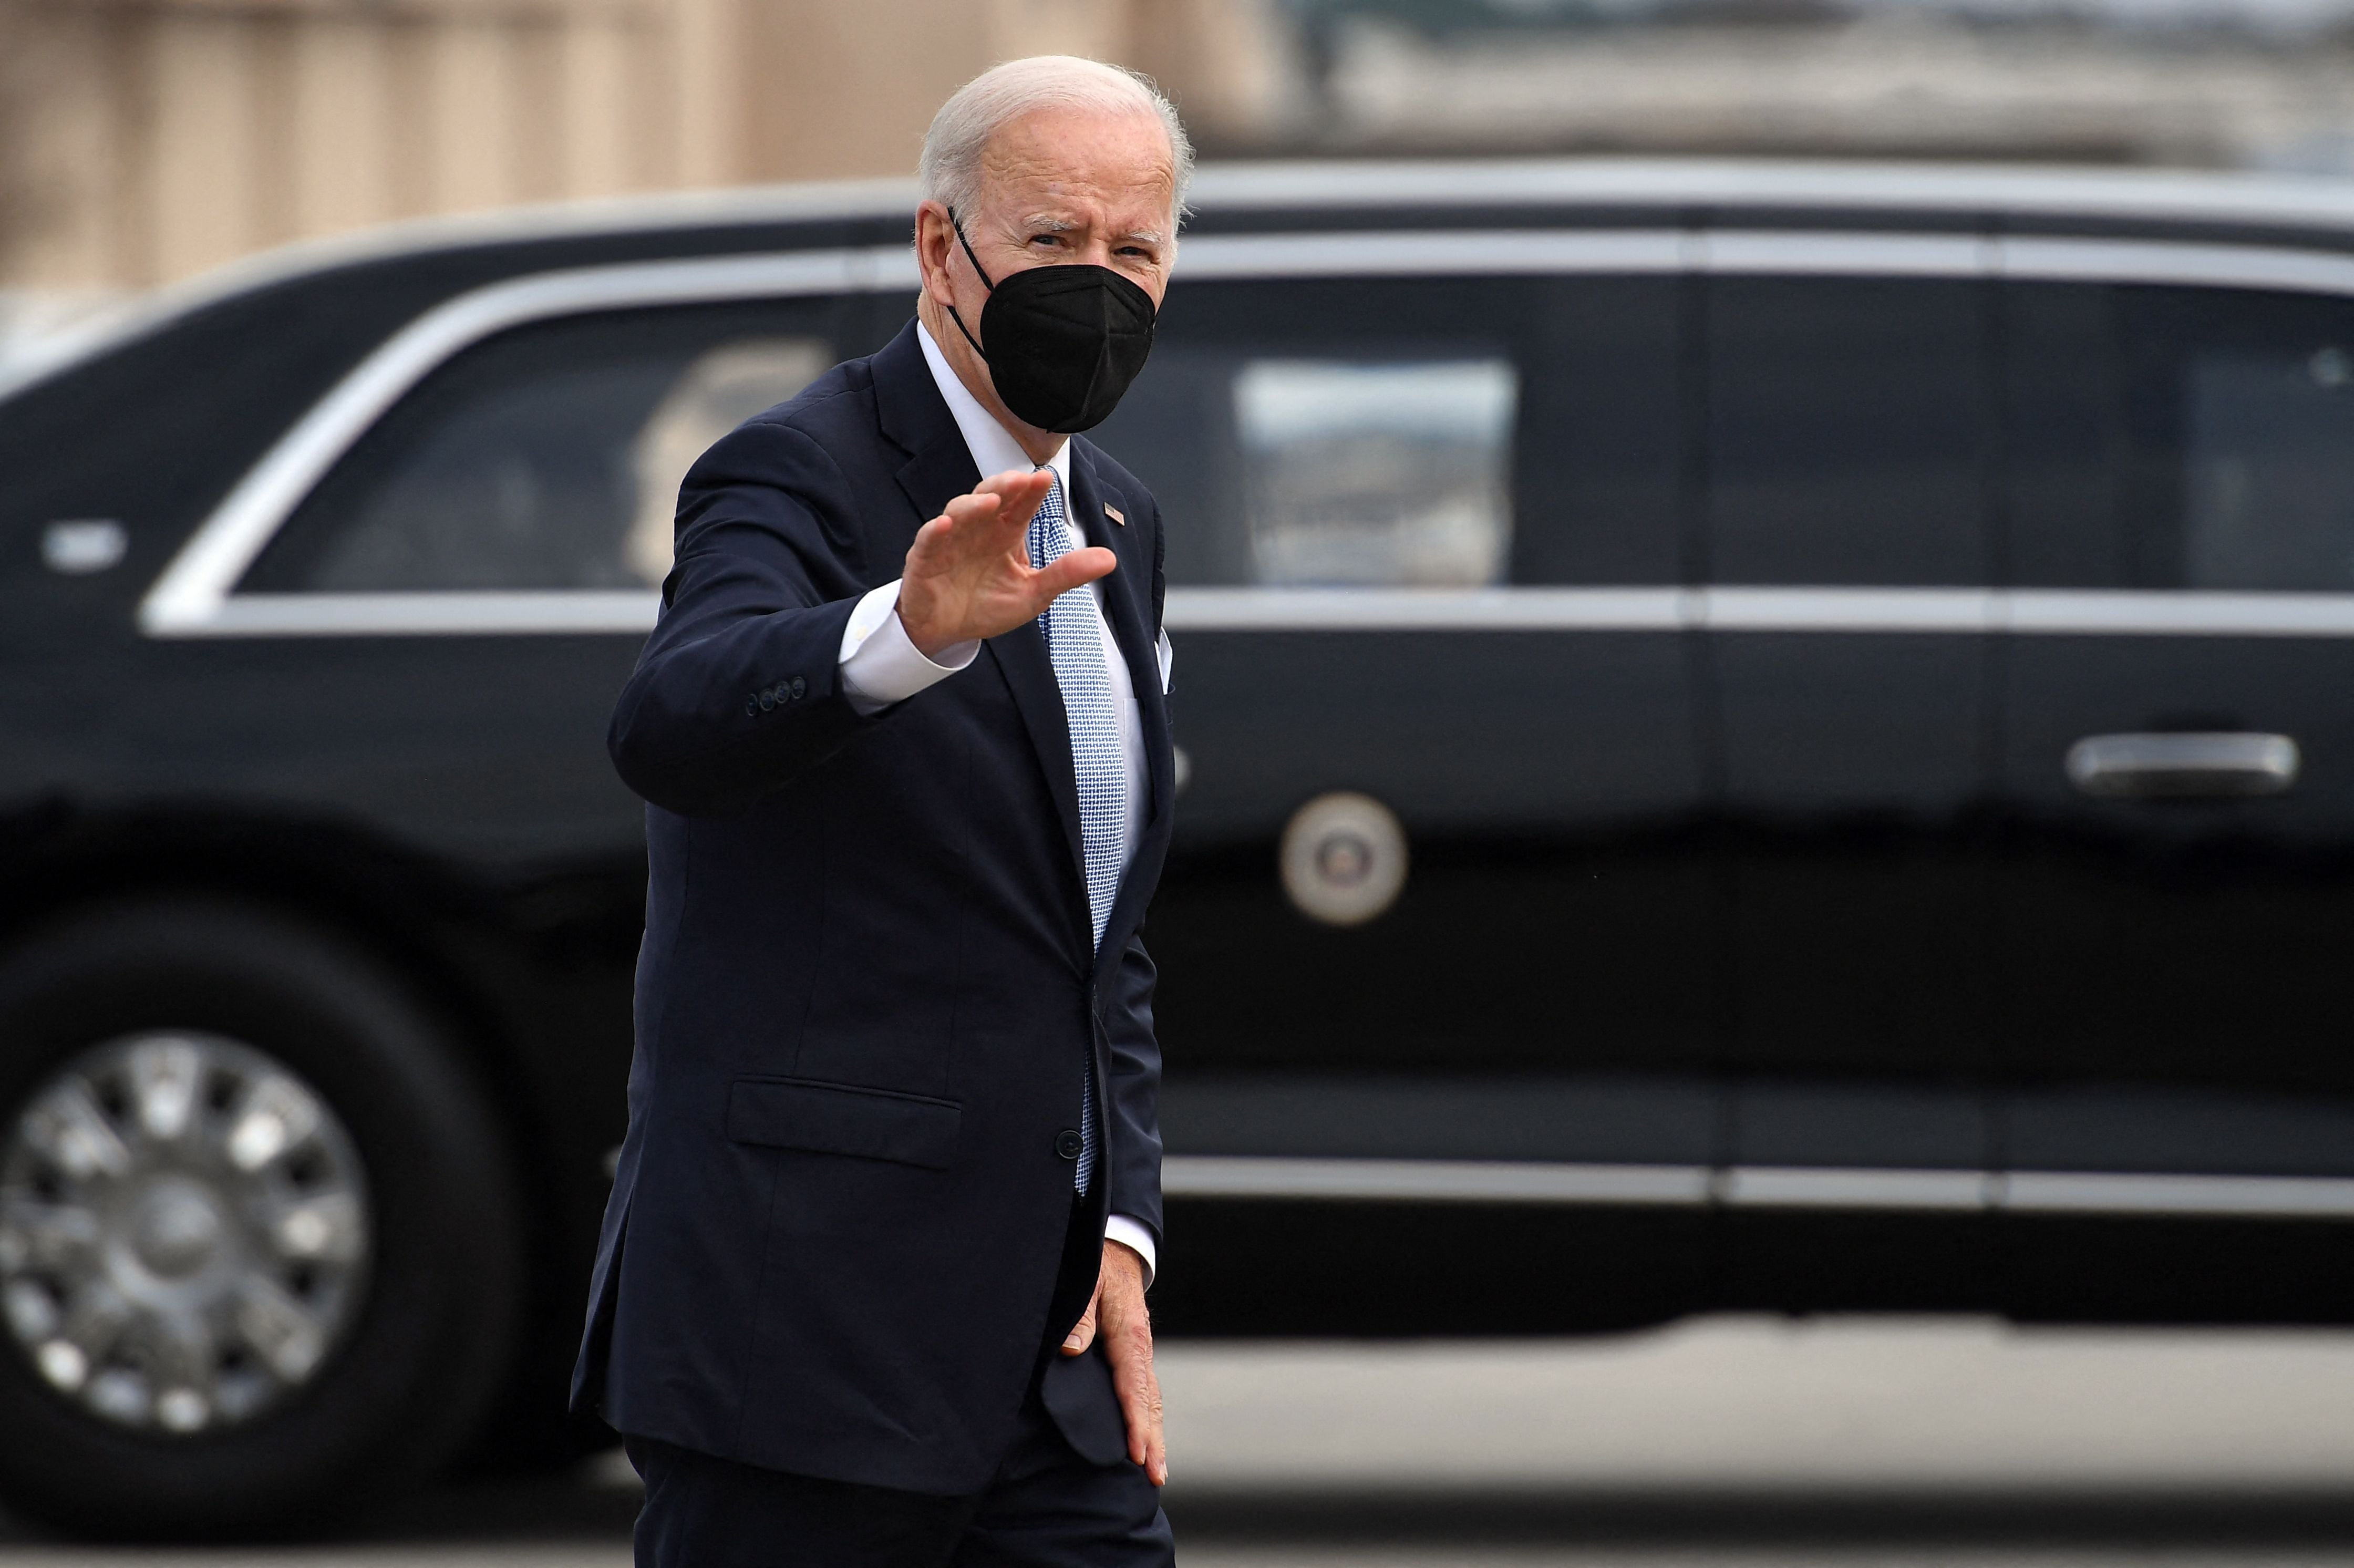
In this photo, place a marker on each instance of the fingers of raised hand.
(1060, 576)
(1018, 485)
(973, 512)
(972, 532)
(956, 529)
(1018, 491)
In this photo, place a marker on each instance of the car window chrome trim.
(1542, 1183)
(2042, 612)
(1769, 253)
(1518, 252)
(2160, 263)
(1880, 612)
(2101, 1192)
(1379, 253)
(1913, 1192)
(2195, 612)
(436, 614)
(2157, 263)
(194, 596)
(1430, 609)
(1961, 190)
(1802, 252)
(188, 597)
(1430, 1181)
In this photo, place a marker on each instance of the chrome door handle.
(2211, 764)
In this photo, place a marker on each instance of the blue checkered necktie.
(1076, 648)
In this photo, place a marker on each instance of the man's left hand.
(1119, 1305)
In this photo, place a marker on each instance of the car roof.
(2320, 207)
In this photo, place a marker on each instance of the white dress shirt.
(881, 666)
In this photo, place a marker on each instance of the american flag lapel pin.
(1114, 514)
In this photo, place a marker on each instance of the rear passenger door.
(1422, 545)
(447, 614)
(2178, 771)
(427, 645)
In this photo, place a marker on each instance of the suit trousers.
(1047, 1507)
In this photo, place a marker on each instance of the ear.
(935, 240)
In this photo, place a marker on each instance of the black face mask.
(1069, 338)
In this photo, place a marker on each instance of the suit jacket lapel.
(1137, 645)
(1128, 628)
(1028, 669)
(939, 467)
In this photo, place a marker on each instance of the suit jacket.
(867, 978)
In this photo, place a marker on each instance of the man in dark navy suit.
(871, 1286)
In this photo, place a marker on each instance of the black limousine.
(1756, 737)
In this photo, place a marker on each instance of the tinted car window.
(1845, 422)
(2181, 438)
(1380, 474)
(1414, 432)
(2268, 468)
(547, 458)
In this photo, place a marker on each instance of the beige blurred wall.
(145, 139)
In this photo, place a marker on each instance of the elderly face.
(1060, 186)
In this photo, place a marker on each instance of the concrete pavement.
(1730, 1443)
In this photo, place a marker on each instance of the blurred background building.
(144, 140)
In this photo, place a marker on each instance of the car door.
(2178, 772)
(421, 647)
(447, 613)
(1423, 552)
(1846, 497)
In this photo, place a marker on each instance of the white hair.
(950, 167)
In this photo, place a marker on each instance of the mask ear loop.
(987, 282)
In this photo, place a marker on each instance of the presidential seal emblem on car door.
(1343, 858)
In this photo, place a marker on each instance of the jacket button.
(768, 700)
(800, 688)
(751, 707)
(1067, 1143)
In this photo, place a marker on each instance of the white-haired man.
(871, 1286)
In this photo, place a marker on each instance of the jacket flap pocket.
(830, 1118)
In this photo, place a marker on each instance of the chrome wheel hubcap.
(183, 1232)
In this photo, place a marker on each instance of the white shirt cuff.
(1135, 1236)
(879, 666)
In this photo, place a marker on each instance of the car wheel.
(260, 1242)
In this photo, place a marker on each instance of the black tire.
(432, 1334)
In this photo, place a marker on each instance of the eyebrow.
(1053, 224)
